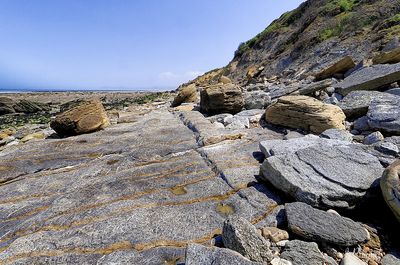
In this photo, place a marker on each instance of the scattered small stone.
(279, 261)
(275, 234)
(351, 259)
(373, 138)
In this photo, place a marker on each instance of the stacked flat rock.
(221, 98)
(307, 113)
(88, 116)
(370, 78)
(321, 172)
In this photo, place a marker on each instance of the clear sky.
(133, 44)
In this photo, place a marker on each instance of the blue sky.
(114, 44)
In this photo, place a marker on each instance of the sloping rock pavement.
(134, 193)
(320, 226)
(370, 78)
(315, 170)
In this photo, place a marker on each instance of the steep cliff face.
(302, 41)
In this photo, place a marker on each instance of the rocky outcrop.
(320, 226)
(185, 95)
(302, 112)
(392, 56)
(370, 78)
(256, 100)
(241, 236)
(6, 105)
(87, 117)
(341, 66)
(305, 253)
(316, 170)
(390, 185)
(384, 114)
(356, 103)
(221, 98)
(200, 255)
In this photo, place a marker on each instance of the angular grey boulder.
(336, 134)
(241, 236)
(305, 253)
(384, 114)
(200, 255)
(356, 103)
(320, 226)
(256, 100)
(370, 78)
(321, 172)
(391, 259)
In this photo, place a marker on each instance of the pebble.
(373, 138)
(275, 234)
(351, 259)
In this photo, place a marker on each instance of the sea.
(119, 90)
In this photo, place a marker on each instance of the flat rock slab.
(384, 114)
(125, 194)
(320, 226)
(370, 78)
(321, 172)
(356, 103)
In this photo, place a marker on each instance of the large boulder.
(321, 172)
(185, 94)
(356, 103)
(241, 236)
(200, 255)
(307, 113)
(6, 105)
(390, 185)
(341, 66)
(384, 115)
(221, 98)
(370, 78)
(320, 226)
(89, 116)
(256, 100)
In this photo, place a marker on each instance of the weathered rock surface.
(302, 112)
(305, 253)
(6, 105)
(274, 234)
(391, 259)
(241, 236)
(133, 193)
(390, 185)
(313, 87)
(87, 117)
(393, 91)
(384, 114)
(370, 78)
(320, 226)
(256, 100)
(316, 170)
(356, 103)
(342, 65)
(336, 134)
(200, 255)
(392, 56)
(221, 98)
(185, 95)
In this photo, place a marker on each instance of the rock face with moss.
(314, 35)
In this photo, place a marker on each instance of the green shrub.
(346, 5)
